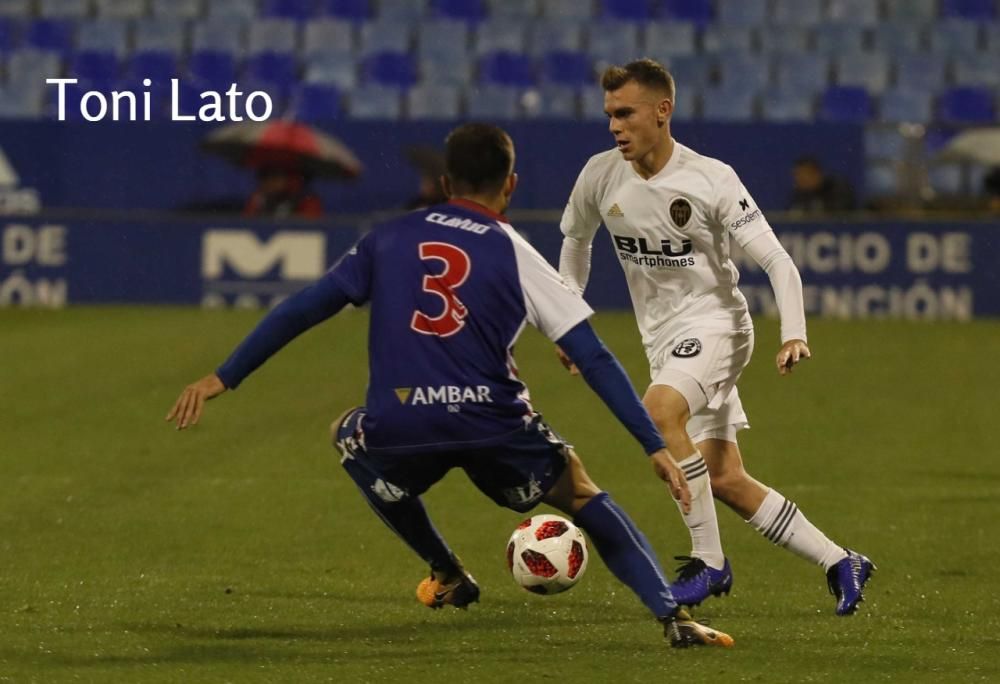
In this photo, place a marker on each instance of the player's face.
(636, 118)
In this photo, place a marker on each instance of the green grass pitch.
(239, 551)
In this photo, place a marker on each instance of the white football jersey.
(671, 234)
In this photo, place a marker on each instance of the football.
(547, 554)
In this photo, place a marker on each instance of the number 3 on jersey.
(456, 270)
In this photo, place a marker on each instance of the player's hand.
(187, 408)
(567, 362)
(666, 469)
(790, 354)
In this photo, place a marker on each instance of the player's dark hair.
(478, 158)
(646, 72)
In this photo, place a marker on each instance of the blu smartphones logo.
(126, 105)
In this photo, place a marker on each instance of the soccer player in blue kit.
(450, 289)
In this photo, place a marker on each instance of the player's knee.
(728, 483)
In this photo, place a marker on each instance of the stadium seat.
(786, 105)
(386, 35)
(865, 69)
(346, 10)
(884, 143)
(686, 105)
(272, 35)
(691, 72)
(506, 69)
(64, 9)
(443, 70)
(979, 10)
(55, 35)
(552, 34)
(402, 10)
(746, 71)
(881, 180)
(668, 39)
(912, 10)
(920, 72)
(911, 106)
(579, 10)
(327, 35)
(241, 9)
(719, 103)
(626, 10)
(616, 44)
(21, 101)
(332, 68)
(375, 102)
(9, 37)
(493, 102)
(294, 10)
(122, 9)
(508, 34)
(316, 102)
(858, 12)
(16, 8)
(102, 34)
(166, 34)
(797, 12)
(992, 38)
(845, 104)
(94, 66)
(835, 39)
(182, 9)
(462, 10)
(694, 11)
(898, 38)
(217, 69)
(785, 39)
(803, 72)
(980, 69)
(572, 69)
(278, 70)
(158, 66)
(745, 13)
(954, 36)
(433, 101)
(551, 102)
(391, 69)
(219, 35)
(592, 104)
(946, 179)
(967, 105)
(514, 9)
(726, 37)
(444, 36)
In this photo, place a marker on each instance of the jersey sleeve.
(353, 271)
(736, 211)
(582, 217)
(551, 305)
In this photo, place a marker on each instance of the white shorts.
(704, 366)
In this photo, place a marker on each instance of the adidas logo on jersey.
(616, 211)
(444, 394)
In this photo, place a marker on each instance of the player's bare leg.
(628, 555)
(706, 571)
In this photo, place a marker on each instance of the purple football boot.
(696, 581)
(847, 581)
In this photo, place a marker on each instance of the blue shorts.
(516, 473)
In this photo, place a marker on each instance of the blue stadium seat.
(726, 37)
(579, 10)
(166, 34)
(946, 179)
(316, 102)
(386, 35)
(955, 36)
(508, 34)
(391, 69)
(802, 72)
(64, 9)
(553, 102)
(834, 39)
(727, 104)
(626, 10)
(920, 71)
(9, 35)
(462, 10)
(121, 9)
(967, 105)
(492, 102)
(881, 180)
(16, 8)
(746, 71)
(506, 69)
(910, 106)
(55, 35)
(94, 65)
(691, 72)
(21, 101)
(868, 70)
(614, 44)
(552, 34)
(443, 70)
(272, 35)
(845, 104)
(433, 101)
(278, 69)
(327, 35)
(444, 36)
(295, 10)
(744, 13)
(158, 66)
(694, 11)
(572, 69)
(797, 12)
(514, 9)
(182, 9)
(786, 105)
(217, 69)
(785, 39)
(375, 102)
(977, 70)
(30, 66)
(979, 10)
(884, 143)
(898, 38)
(667, 39)
(332, 68)
(240, 9)
(219, 35)
(859, 12)
(913, 10)
(402, 10)
(102, 34)
(347, 10)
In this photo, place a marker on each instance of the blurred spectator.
(816, 192)
(283, 192)
(430, 163)
(991, 190)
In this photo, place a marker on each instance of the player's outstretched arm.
(188, 407)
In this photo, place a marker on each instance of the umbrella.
(284, 144)
(979, 145)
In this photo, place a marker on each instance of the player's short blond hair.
(646, 72)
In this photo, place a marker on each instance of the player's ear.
(446, 186)
(510, 185)
(663, 112)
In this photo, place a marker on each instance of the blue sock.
(625, 551)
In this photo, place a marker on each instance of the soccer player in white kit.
(671, 213)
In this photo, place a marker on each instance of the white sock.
(706, 543)
(780, 520)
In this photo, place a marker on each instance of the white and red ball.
(547, 554)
